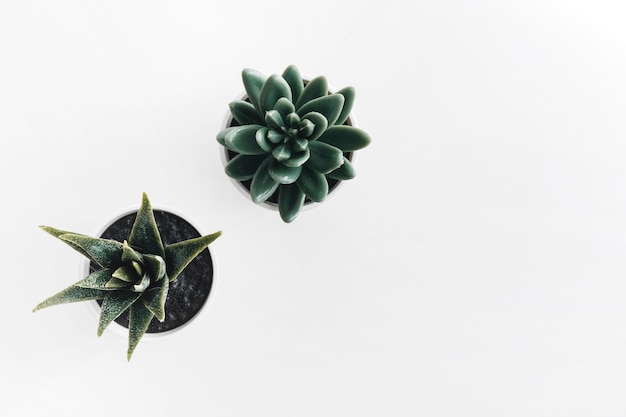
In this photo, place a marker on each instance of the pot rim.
(268, 204)
(117, 328)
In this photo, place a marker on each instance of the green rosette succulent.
(133, 275)
(292, 137)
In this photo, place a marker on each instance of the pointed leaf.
(253, 82)
(243, 167)
(154, 299)
(320, 124)
(294, 79)
(273, 89)
(155, 265)
(282, 152)
(145, 233)
(317, 87)
(263, 185)
(274, 120)
(71, 294)
(140, 318)
(106, 253)
(129, 254)
(126, 273)
(284, 174)
(178, 255)
(96, 280)
(349, 95)
(290, 201)
(116, 284)
(58, 233)
(313, 184)
(329, 106)
(344, 172)
(114, 304)
(245, 113)
(324, 157)
(242, 139)
(346, 138)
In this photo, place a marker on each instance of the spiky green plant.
(291, 138)
(133, 275)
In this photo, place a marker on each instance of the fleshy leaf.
(140, 318)
(284, 174)
(114, 304)
(178, 255)
(126, 273)
(317, 87)
(320, 124)
(274, 120)
(155, 265)
(96, 280)
(245, 113)
(313, 184)
(298, 158)
(282, 152)
(285, 107)
(349, 94)
(290, 201)
(329, 106)
(154, 299)
(324, 157)
(129, 254)
(106, 253)
(243, 167)
(273, 89)
(346, 138)
(344, 172)
(263, 185)
(145, 233)
(253, 82)
(294, 79)
(71, 294)
(242, 139)
(142, 285)
(58, 233)
(116, 284)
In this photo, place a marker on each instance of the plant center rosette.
(291, 138)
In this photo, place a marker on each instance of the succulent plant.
(291, 137)
(132, 275)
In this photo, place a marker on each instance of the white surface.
(475, 266)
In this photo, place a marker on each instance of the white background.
(474, 267)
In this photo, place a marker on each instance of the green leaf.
(329, 106)
(178, 255)
(263, 185)
(317, 87)
(324, 157)
(58, 233)
(274, 120)
(114, 304)
(284, 174)
(298, 158)
(140, 318)
(313, 184)
(155, 265)
(126, 273)
(71, 295)
(116, 284)
(253, 82)
(285, 107)
(245, 113)
(273, 89)
(154, 299)
(129, 254)
(319, 124)
(243, 167)
(96, 280)
(145, 233)
(346, 138)
(242, 139)
(106, 253)
(294, 79)
(290, 201)
(282, 152)
(141, 286)
(349, 94)
(344, 172)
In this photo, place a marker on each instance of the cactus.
(291, 138)
(132, 275)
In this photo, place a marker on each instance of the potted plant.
(136, 277)
(290, 141)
